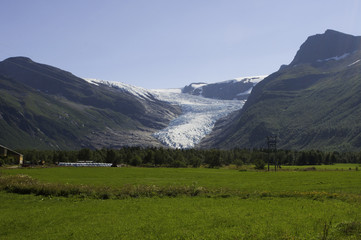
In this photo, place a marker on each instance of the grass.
(301, 181)
(250, 205)
(334, 167)
(37, 217)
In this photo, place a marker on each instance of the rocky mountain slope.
(45, 107)
(235, 89)
(313, 103)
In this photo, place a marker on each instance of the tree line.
(164, 157)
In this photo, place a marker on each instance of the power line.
(272, 146)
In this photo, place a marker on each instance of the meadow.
(289, 204)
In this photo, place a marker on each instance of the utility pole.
(272, 145)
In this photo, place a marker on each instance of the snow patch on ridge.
(91, 81)
(254, 79)
(198, 85)
(336, 58)
(354, 63)
(136, 91)
(197, 120)
(246, 92)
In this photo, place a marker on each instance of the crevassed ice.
(197, 119)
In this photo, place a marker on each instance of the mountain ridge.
(55, 109)
(309, 104)
(45, 107)
(325, 46)
(238, 88)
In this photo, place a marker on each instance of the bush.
(238, 162)
(349, 228)
(178, 164)
(195, 162)
(310, 169)
(136, 160)
(259, 164)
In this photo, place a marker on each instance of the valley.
(311, 103)
(180, 120)
(199, 111)
(191, 162)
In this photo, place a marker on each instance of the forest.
(164, 157)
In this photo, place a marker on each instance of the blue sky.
(168, 43)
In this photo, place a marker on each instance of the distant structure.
(272, 147)
(5, 151)
(84, 164)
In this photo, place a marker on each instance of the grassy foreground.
(332, 212)
(345, 181)
(36, 217)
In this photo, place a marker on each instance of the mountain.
(329, 45)
(313, 103)
(238, 88)
(45, 107)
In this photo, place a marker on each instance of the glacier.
(199, 114)
(197, 120)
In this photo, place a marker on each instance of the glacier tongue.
(199, 114)
(197, 120)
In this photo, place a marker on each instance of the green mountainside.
(313, 103)
(44, 107)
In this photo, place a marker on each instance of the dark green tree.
(85, 154)
(111, 156)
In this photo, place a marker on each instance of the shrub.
(349, 228)
(195, 161)
(178, 164)
(136, 160)
(259, 164)
(238, 162)
(310, 169)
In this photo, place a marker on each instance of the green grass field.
(269, 216)
(331, 181)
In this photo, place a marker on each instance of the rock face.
(48, 108)
(331, 44)
(313, 103)
(235, 89)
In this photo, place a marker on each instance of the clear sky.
(168, 43)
